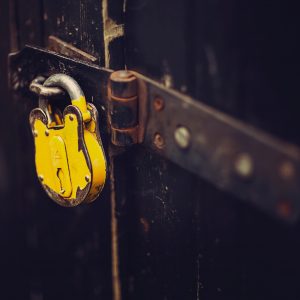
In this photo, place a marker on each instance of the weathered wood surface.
(175, 236)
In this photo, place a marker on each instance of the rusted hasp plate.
(233, 156)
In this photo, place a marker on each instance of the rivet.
(41, 177)
(158, 141)
(47, 132)
(71, 118)
(35, 133)
(87, 178)
(182, 137)
(62, 191)
(284, 208)
(158, 104)
(244, 165)
(287, 170)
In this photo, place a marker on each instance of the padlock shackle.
(75, 92)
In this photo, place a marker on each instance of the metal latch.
(235, 157)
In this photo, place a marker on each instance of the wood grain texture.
(191, 241)
(178, 237)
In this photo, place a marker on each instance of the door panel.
(157, 231)
(198, 242)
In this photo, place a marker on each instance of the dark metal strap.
(233, 156)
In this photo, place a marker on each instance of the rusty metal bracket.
(123, 108)
(233, 156)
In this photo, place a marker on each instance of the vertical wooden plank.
(29, 22)
(113, 33)
(76, 22)
(237, 57)
(155, 35)
(25, 28)
(90, 26)
(176, 228)
(19, 26)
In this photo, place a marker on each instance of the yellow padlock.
(69, 156)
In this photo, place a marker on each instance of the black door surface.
(157, 231)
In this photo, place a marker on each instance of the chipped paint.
(111, 31)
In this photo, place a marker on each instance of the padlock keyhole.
(60, 166)
(60, 176)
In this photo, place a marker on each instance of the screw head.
(182, 137)
(158, 140)
(47, 132)
(71, 117)
(87, 178)
(284, 208)
(62, 191)
(287, 170)
(158, 104)
(41, 177)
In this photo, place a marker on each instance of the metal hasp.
(231, 155)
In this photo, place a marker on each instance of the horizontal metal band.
(233, 156)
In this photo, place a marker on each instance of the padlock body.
(69, 158)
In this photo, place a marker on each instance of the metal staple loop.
(37, 87)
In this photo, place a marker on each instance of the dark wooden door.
(157, 231)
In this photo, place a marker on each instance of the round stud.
(182, 137)
(158, 104)
(35, 133)
(284, 208)
(158, 141)
(244, 165)
(287, 170)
